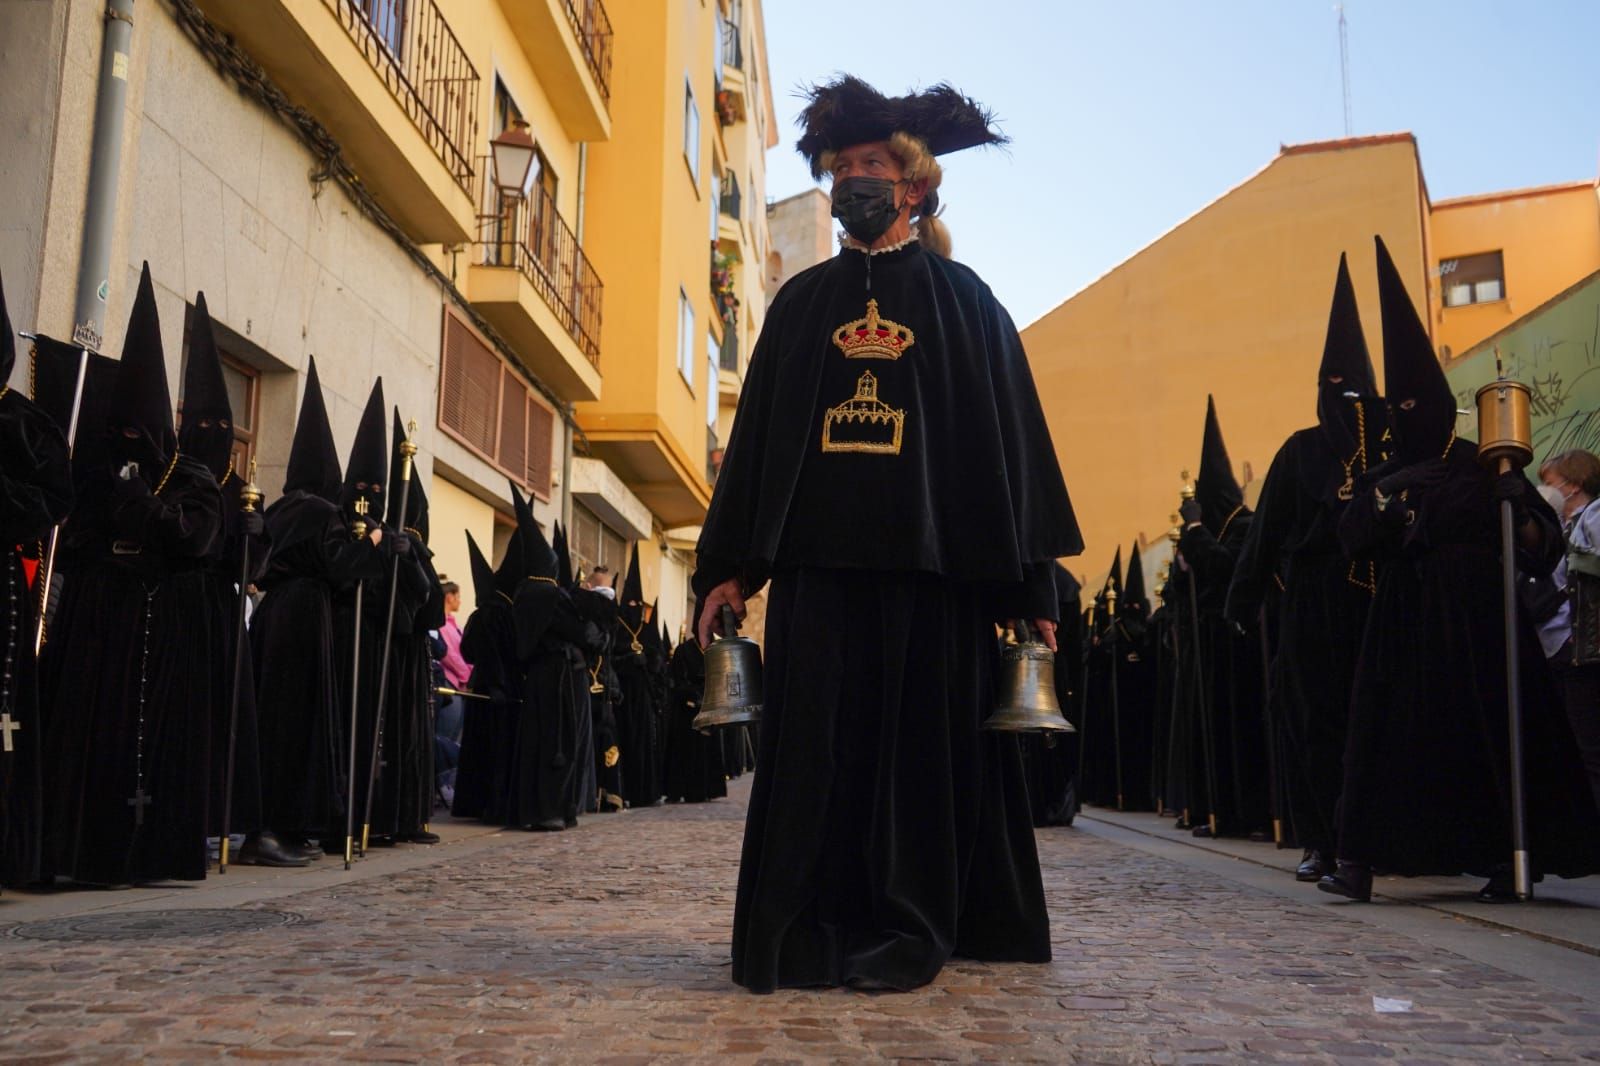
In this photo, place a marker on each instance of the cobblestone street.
(610, 944)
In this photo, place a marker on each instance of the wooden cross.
(8, 726)
(139, 801)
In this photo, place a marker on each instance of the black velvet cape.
(975, 492)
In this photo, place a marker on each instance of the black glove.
(131, 488)
(399, 543)
(253, 525)
(1510, 486)
(1417, 477)
(1190, 511)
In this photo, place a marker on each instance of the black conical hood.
(207, 433)
(1068, 590)
(538, 559)
(366, 475)
(416, 516)
(1216, 488)
(1346, 366)
(142, 401)
(482, 574)
(633, 587)
(8, 339)
(1114, 579)
(513, 568)
(1133, 596)
(1422, 408)
(313, 459)
(563, 559)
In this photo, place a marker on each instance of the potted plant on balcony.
(722, 290)
(727, 107)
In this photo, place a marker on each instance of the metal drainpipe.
(105, 161)
(583, 183)
(566, 451)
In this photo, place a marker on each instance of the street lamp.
(513, 158)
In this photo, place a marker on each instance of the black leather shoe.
(422, 836)
(549, 825)
(1502, 886)
(1312, 866)
(1202, 831)
(1352, 880)
(264, 849)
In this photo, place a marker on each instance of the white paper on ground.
(1385, 1005)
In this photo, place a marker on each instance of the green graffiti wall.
(1555, 351)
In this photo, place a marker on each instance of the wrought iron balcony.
(530, 235)
(593, 27)
(415, 52)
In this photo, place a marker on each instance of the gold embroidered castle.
(864, 423)
(873, 337)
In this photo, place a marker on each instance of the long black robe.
(224, 568)
(638, 732)
(1322, 616)
(694, 772)
(1051, 759)
(544, 742)
(35, 493)
(1426, 768)
(1228, 771)
(489, 644)
(402, 801)
(130, 683)
(903, 505)
(303, 712)
(1136, 706)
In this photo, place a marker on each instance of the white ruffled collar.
(847, 241)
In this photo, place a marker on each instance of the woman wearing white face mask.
(1570, 483)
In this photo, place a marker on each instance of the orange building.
(1233, 301)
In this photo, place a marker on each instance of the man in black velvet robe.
(1294, 540)
(301, 710)
(638, 725)
(127, 673)
(35, 494)
(1229, 783)
(1426, 766)
(207, 436)
(891, 474)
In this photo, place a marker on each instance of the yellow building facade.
(323, 171)
(1233, 302)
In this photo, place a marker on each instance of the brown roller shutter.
(541, 441)
(513, 455)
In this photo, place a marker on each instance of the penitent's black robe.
(130, 683)
(1294, 537)
(1051, 759)
(489, 644)
(1426, 767)
(543, 743)
(402, 802)
(35, 493)
(694, 772)
(302, 711)
(637, 715)
(891, 471)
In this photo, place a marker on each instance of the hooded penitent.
(563, 559)
(415, 520)
(848, 111)
(513, 566)
(313, 460)
(366, 476)
(631, 602)
(1221, 498)
(538, 558)
(139, 413)
(207, 433)
(1134, 603)
(483, 582)
(1422, 409)
(1345, 377)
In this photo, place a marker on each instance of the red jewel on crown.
(873, 337)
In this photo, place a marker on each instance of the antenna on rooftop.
(1344, 67)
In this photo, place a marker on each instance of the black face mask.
(865, 207)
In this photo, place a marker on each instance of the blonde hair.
(920, 165)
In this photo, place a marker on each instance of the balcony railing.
(530, 235)
(731, 196)
(414, 51)
(593, 27)
(732, 47)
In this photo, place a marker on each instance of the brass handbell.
(1028, 701)
(733, 693)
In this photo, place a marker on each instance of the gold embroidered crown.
(864, 423)
(873, 337)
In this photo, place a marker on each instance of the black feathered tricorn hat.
(848, 111)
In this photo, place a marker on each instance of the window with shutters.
(491, 411)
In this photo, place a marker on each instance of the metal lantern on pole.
(1505, 432)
